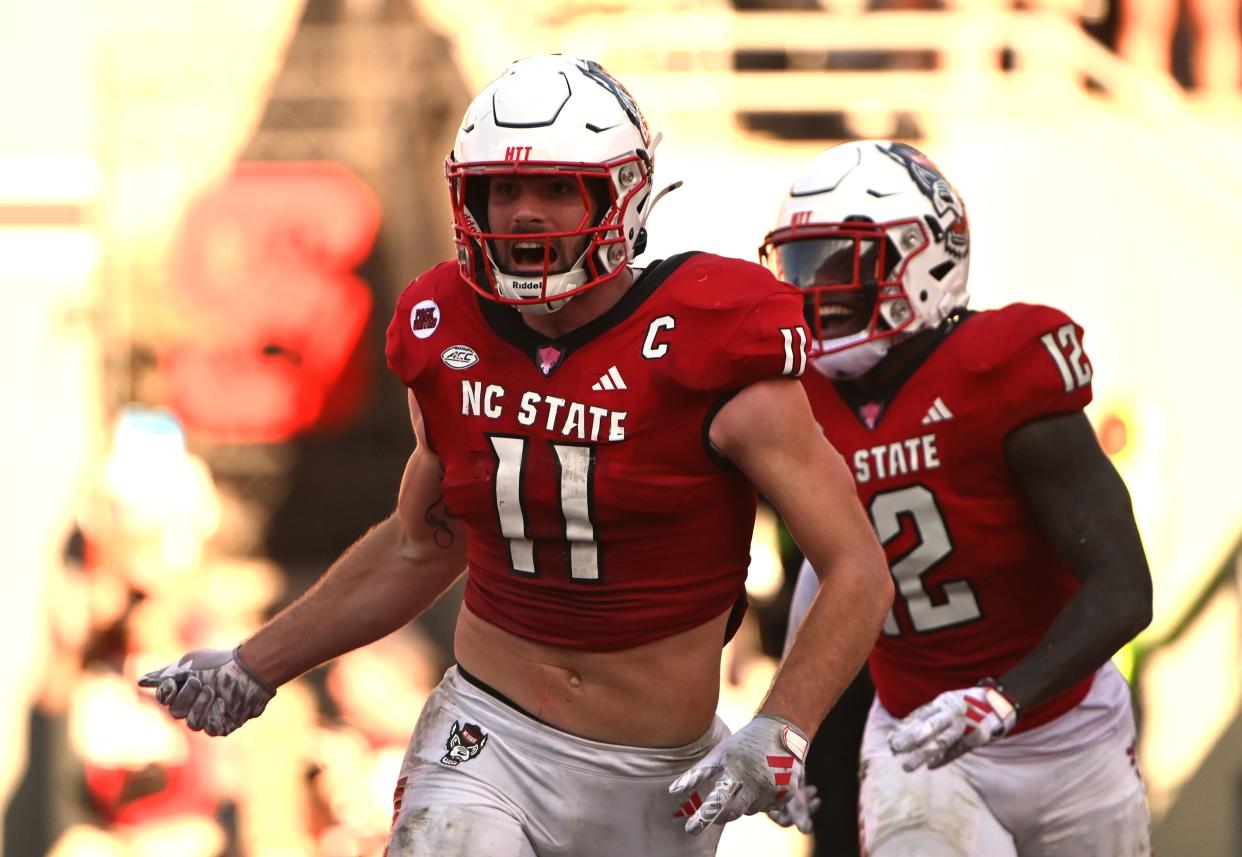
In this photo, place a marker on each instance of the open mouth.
(838, 318)
(528, 256)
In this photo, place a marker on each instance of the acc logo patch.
(424, 318)
(459, 357)
(463, 744)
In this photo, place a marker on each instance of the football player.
(590, 440)
(999, 726)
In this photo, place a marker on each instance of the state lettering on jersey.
(899, 458)
(551, 413)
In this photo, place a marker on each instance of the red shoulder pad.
(745, 324)
(1032, 359)
(416, 317)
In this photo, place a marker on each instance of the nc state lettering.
(551, 413)
(887, 460)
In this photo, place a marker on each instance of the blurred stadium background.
(207, 209)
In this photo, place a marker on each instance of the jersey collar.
(869, 404)
(549, 353)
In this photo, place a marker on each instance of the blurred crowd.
(111, 774)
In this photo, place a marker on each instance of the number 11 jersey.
(597, 516)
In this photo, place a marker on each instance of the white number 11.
(576, 466)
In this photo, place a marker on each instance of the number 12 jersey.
(977, 582)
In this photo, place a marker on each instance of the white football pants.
(520, 788)
(1088, 802)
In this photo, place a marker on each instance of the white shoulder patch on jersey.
(424, 318)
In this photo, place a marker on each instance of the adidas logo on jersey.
(610, 380)
(937, 413)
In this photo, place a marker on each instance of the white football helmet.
(879, 240)
(552, 116)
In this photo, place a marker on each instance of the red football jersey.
(597, 517)
(978, 584)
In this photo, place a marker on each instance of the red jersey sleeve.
(1034, 364)
(750, 329)
(416, 317)
(394, 350)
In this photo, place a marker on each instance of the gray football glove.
(757, 769)
(210, 689)
(955, 722)
(800, 811)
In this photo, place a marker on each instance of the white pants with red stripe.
(1086, 800)
(481, 779)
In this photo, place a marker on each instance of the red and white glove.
(757, 769)
(210, 689)
(955, 722)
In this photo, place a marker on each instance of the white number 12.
(1075, 369)
(960, 604)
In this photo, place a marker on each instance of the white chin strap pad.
(516, 287)
(851, 360)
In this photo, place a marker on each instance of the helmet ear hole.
(941, 271)
(640, 243)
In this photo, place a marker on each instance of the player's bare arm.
(1083, 507)
(383, 581)
(769, 433)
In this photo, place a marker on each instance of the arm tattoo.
(437, 516)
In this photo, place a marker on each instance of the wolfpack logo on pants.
(463, 744)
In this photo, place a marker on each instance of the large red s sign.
(264, 275)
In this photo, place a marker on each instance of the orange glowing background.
(127, 215)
